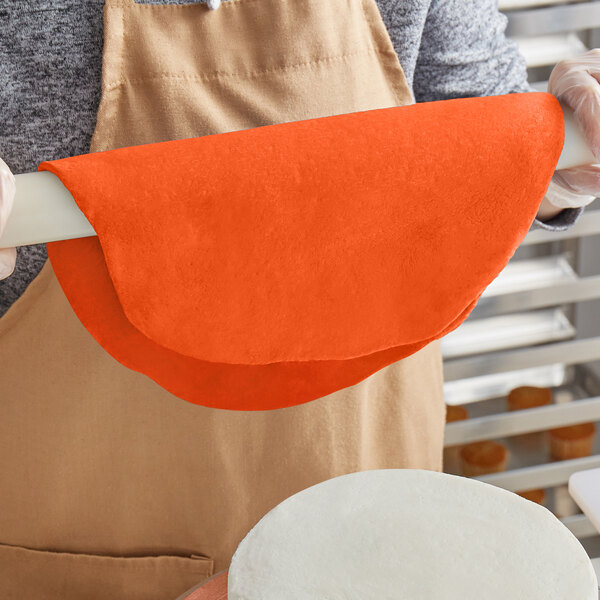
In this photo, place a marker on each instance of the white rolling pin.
(44, 210)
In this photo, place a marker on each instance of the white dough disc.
(403, 534)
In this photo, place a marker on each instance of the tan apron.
(112, 488)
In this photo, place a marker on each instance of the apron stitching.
(118, 561)
(123, 42)
(102, 112)
(121, 74)
(219, 74)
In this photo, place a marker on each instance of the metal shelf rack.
(526, 328)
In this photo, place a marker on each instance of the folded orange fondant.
(268, 267)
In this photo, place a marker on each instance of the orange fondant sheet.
(268, 267)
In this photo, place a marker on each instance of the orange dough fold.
(265, 268)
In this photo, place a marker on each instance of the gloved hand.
(576, 83)
(8, 188)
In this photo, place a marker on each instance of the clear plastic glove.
(576, 83)
(8, 188)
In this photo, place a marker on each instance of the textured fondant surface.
(410, 535)
(311, 254)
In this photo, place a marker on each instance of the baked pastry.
(528, 396)
(481, 458)
(522, 398)
(452, 453)
(575, 441)
(537, 496)
(456, 413)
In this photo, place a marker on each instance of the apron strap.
(212, 4)
(119, 3)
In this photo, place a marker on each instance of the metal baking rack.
(526, 328)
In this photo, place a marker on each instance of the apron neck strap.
(120, 3)
(212, 4)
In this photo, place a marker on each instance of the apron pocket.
(44, 575)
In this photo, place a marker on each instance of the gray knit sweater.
(51, 64)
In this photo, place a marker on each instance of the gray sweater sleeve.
(464, 53)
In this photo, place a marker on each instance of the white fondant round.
(410, 535)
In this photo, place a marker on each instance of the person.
(107, 475)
